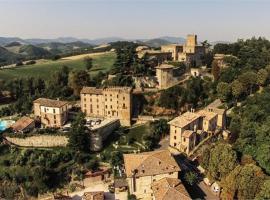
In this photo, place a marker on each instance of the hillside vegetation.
(45, 68)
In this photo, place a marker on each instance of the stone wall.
(39, 141)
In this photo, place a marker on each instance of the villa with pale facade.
(51, 113)
(147, 172)
(190, 128)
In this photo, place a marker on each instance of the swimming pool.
(3, 125)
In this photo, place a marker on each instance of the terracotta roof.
(185, 119)
(91, 90)
(99, 91)
(170, 189)
(22, 123)
(150, 163)
(93, 195)
(50, 102)
(187, 133)
(215, 104)
(206, 114)
(119, 89)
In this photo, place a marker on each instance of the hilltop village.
(161, 124)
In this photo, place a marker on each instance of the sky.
(213, 20)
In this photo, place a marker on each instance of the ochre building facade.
(113, 102)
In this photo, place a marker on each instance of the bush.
(20, 63)
(31, 62)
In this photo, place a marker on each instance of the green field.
(45, 69)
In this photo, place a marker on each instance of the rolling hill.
(32, 51)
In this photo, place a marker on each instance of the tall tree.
(78, 79)
(222, 161)
(88, 63)
(224, 91)
(215, 70)
(237, 89)
(79, 138)
(262, 77)
(244, 182)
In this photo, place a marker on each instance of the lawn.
(45, 68)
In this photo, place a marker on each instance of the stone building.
(169, 189)
(159, 56)
(23, 125)
(51, 113)
(164, 74)
(100, 132)
(113, 102)
(220, 59)
(144, 169)
(190, 128)
(190, 53)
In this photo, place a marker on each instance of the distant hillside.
(7, 57)
(156, 42)
(13, 44)
(6, 40)
(174, 40)
(33, 51)
(62, 48)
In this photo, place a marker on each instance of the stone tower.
(191, 40)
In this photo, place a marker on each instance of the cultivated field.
(45, 68)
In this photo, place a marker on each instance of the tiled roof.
(93, 195)
(150, 163)
(91, 90)
(206, 114)
(99, 91)
(170, 189)
(22, 123)
(185, 119)
(50, 102)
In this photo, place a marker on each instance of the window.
(97, 106)
(175, 131)
(44, 109)
(174, 137)
(111, 106)
(109, 112)
(90, 100)
(85, 105)
(110, 99)
(54, 116)
(116, 96)
(124, 98)
(174, 144)
(97, 100)
(106, 106)
(54, 121)
(84, 99)
(53, 110)
(124, 105)
(184, 139)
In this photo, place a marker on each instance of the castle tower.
(191, 40)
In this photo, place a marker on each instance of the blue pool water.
(3, 125)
